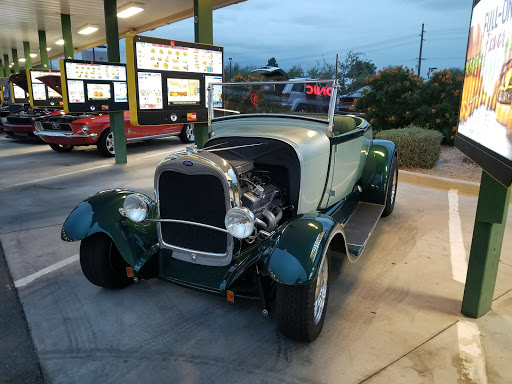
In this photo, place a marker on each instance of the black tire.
(392, 184)
(105, 143)
(187, 134)
(102, 263)
(295, 306)
(61, 148)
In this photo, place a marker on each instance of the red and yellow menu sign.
(485, 120)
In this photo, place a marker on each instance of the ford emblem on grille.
(188, 163)
(56, 126)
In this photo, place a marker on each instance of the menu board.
(19, 93)
(41, 95)
(485, 120)
(217, 91)
(170, 78)
(177, 58)
(91, 86)
(95, 71)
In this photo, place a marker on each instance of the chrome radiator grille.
(198, 198)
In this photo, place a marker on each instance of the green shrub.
(417, 147)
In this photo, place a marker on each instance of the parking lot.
(393, 317)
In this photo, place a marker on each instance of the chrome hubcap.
(321, 290)
(189, 131)
(110, 142)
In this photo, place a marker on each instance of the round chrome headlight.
(135, 208)
(239, 222)
(85, 128)
(38, 125)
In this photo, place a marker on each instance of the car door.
(132, 131)
(348, 156)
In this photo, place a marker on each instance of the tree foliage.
(272, 62)
(295, 71)
(397, 97)
(353, 71)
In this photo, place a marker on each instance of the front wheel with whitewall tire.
(392, 185)
(187, 134)
(106, 143)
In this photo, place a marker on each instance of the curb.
(443, 183)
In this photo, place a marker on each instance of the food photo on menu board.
(486, 110)
(183, 91)
(98, 91)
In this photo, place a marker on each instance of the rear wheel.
(300, 309)
(187, 134)
(392, 184)
(101, 262)
(61, 148)
(106, 143)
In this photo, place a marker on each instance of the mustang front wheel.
(187, 134)
(61, 148)
(106, 143)
(300, 309)
(102, 263)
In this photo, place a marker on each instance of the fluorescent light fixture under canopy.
(87, 29)
(129, 10)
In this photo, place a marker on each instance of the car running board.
(359, 227)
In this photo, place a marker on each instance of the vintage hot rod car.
(257, 212)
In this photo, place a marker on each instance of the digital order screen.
(41, 94)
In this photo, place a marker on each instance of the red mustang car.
(65, 131)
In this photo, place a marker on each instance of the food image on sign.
(38, 91)
(150, 90)
(98, 91)
(486, 111)
(183, 91)
(76, 91)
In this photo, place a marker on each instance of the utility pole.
(421, 48)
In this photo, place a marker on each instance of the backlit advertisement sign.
(171, 78)
(90, 86)
(485, 120)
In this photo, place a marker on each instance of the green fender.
(375, 176)
(298, 249)
(99, 213)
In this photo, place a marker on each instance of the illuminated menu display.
(41, 94)
(95, 86)
(94, 71)
(177, 58)
(170, 79)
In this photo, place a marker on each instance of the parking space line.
(457, 249)
(30, 278)
(471, 353)
(56, 176)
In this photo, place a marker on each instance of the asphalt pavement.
(393, 317)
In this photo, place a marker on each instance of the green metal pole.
(116, 118)
(16, 66)
(484, 257)
(65, 21)
(7, 68)
(1, 69)
(203, 32)
(28, 59)
(43, 51)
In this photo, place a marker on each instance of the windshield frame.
(332, 101)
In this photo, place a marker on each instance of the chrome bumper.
(67, 135)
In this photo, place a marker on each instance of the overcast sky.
(302, 32)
